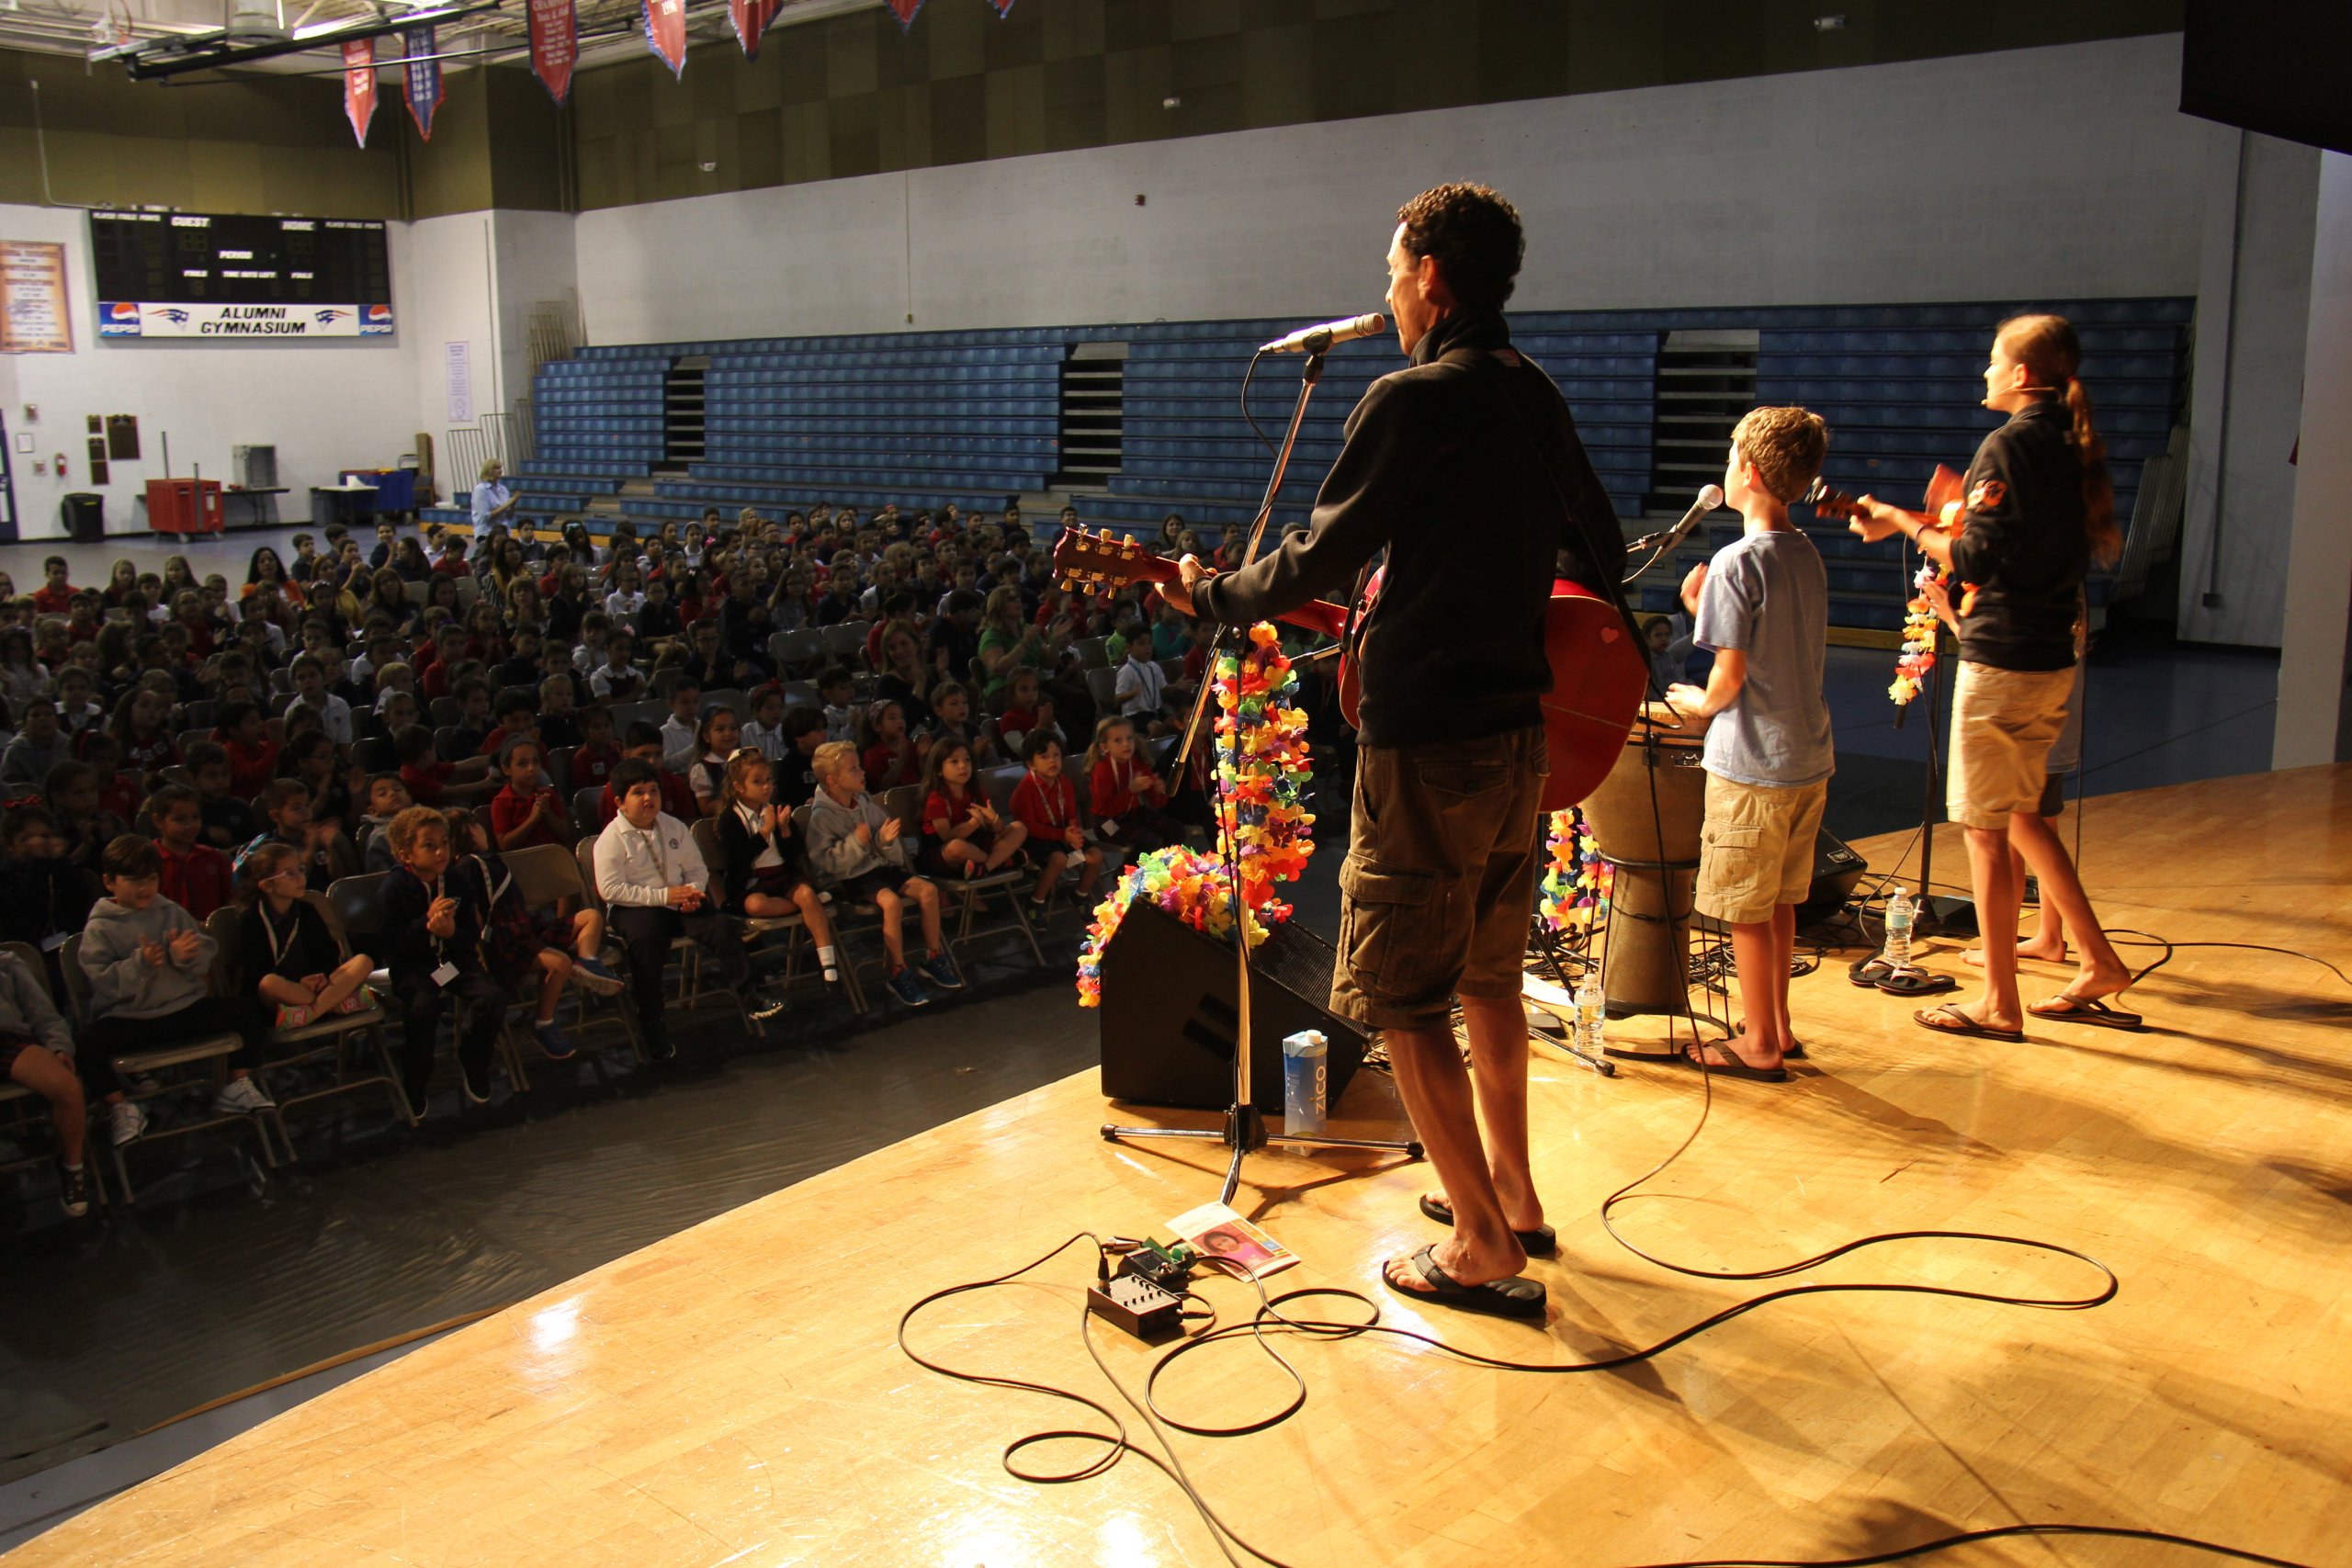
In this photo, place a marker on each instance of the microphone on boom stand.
(1318, 339)
(1669, 540)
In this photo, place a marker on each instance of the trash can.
(85, 518)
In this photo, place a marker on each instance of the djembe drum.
(1645, 818)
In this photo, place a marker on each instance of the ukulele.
(1598, 674)
(1944, 503)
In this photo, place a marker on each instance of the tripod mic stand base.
(1245, 1130)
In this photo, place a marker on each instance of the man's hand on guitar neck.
(1190, 574)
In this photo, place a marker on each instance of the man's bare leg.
(1436, 1089)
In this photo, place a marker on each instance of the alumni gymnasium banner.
(126, 318)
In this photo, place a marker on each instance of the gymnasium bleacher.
(973, 417)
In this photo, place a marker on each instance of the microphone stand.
(1245, 1125)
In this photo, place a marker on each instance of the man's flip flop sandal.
(1734, 1068)
(1515, 1298)
(1911, 981)
(2069, 1008)
(1958, 1022)
(1868, 971)
(1541, 1242)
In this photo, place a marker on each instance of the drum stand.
(1668, 916)
(1245, 1125)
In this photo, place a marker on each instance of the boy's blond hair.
(831, 757)
(1785, 445)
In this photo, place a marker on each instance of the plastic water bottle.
(1305, 1057)
(1592, 1013)
(1898, 929)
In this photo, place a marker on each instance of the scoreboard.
(198, 274)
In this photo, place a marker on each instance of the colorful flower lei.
(1918, 654)
(1254, 696)
(1576, 880)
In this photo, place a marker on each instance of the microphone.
(1316, 339)
(1667, 542)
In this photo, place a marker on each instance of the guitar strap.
(1608, 587)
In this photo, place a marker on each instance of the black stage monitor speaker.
(1170, 1015)
(1836, 872)
(2275, 66)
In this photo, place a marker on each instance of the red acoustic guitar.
(1598, 675)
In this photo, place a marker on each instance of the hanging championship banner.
(752, 19)
(359, 85)
(422, 73)
(555, 44)
(905, 11)
(1003, 7)
(665, 32)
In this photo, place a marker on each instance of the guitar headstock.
(1088, 560)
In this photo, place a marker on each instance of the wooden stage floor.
(732, 1394)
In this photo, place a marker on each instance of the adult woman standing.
(493, 501)
(2040, 510)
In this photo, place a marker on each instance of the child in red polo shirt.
(594, 762)
(195, 875)
(243, 733)
(432, 782)
(524, 813)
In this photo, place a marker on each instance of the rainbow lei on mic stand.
(1918, 653)
(1576, 879)
(1254, 696)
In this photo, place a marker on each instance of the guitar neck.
(1099, 561)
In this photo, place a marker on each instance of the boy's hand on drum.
(1690, 699)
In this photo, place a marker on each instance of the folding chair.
(25, 1115)
(546, 875)
(905, 803)
(214, 1049)
(588, 815)
(327, 1038)
(1102, 685)
(375, 753)
(796, 650)
(444, 711)
(198, 714)
(794, 929)
(559, 766)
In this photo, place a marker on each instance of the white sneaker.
(125, 1122)
(243, 1097)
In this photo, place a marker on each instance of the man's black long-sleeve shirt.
(1466, 469)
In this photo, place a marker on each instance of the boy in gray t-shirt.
(1762, 606)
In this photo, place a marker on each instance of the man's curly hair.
(1473, 233)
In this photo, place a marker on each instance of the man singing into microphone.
(1466, 469)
